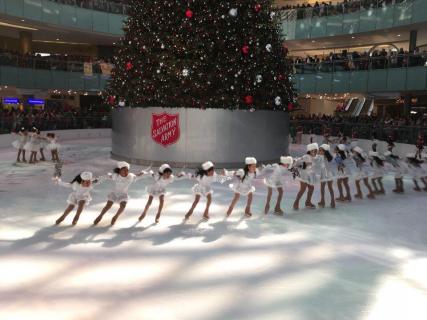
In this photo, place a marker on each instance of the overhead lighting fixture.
(353, 37)
(398, 35)
(313, 40)
(61, 42)
(57, 39)
(23, 20)
(16, 26)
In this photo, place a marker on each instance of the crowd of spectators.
(13, 119)
(62, 62)
(353, 61)
(322, 8)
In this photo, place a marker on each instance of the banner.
(106, 68)
(88, 70)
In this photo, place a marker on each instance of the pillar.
(26, 41)
(413, 40)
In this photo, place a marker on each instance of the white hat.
(123, 164)
(163, 167)
(410, 155)
(373, 154)
(312, 146)
(86, 175)
(207, 165)
(250, 160)
(358, 150)
(287, 160)
(240, 172)
(341, 147)
(387, 153)
(325, 147)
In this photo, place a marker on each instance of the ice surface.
(364, 260)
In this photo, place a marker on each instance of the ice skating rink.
(362, 261)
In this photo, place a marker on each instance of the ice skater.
(122, 179)
(53, 146)
(243, 184)
(162, 179)
(416, 171)
(342, 162)
(82, 185)
(307, 176)
(33, 144)
(362, 172)
(20, 143)
(398, 167)
(326, 168)
(275, 181)
(205, 176)
(377, 165)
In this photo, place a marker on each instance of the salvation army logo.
(165, 128)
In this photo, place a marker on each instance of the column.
(26, 41)
(412, 40)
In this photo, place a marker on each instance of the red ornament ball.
(129, 65)
(249, 99)
(280, 76)
(111, 100)
(257, 7)
(245, 49)
(290, 106)
(189, 13)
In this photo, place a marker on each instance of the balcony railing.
(342, 8)
(99, 5)
(359, 64)
(8, 125)
(374, 130)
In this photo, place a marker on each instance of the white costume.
(342, 171)
(243, 185)
(121, 184)
(378, 170)
(307, 173)
(79, 193)
(158, 188)
(203, 186)
(415, 170)
(362, 168)
(276, 173)
(399, 167)
(33, 143)
(326, 170)
(20, 143)
(52, 144)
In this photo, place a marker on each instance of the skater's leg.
(23, 156)
(303, 187)
(65, 214)
(416, 186)
(371, 192)
(159, 211)
(267, 203)
(193, 206)
(397, 183)
(359, 194)
(347, 189)
(375, 188)
(380, 182)
(308, 202)
(277, 208)
(107, 207)
(249, 204)
(119, 212)
(42, 158)
(79, 211)
(322, 194)
(18, 158)
(340, 190)
(233, 203)
(208, 204)
(331, 192)
(147, 206)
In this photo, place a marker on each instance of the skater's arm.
(59, 182)
(183, 176)
(145, 174)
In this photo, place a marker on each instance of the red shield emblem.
(165, 128)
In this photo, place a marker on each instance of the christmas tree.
(202, 54)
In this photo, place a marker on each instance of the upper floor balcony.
(352, 17)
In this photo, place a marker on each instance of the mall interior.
(361, 62)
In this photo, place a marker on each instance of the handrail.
(366, 63)
(374, 130)
(98, 5)
(343, 8)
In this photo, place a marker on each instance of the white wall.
(63, 135)
(401, 149)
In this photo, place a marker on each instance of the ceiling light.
(398, 35)
(17, 26)
(57, 39)
(313, 40)
(353, 37)
(23, 20)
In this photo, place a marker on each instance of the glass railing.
(345, 7)
(53, 63)
(360, 64)
(9, 123)
(361, 129)
(99, 5)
